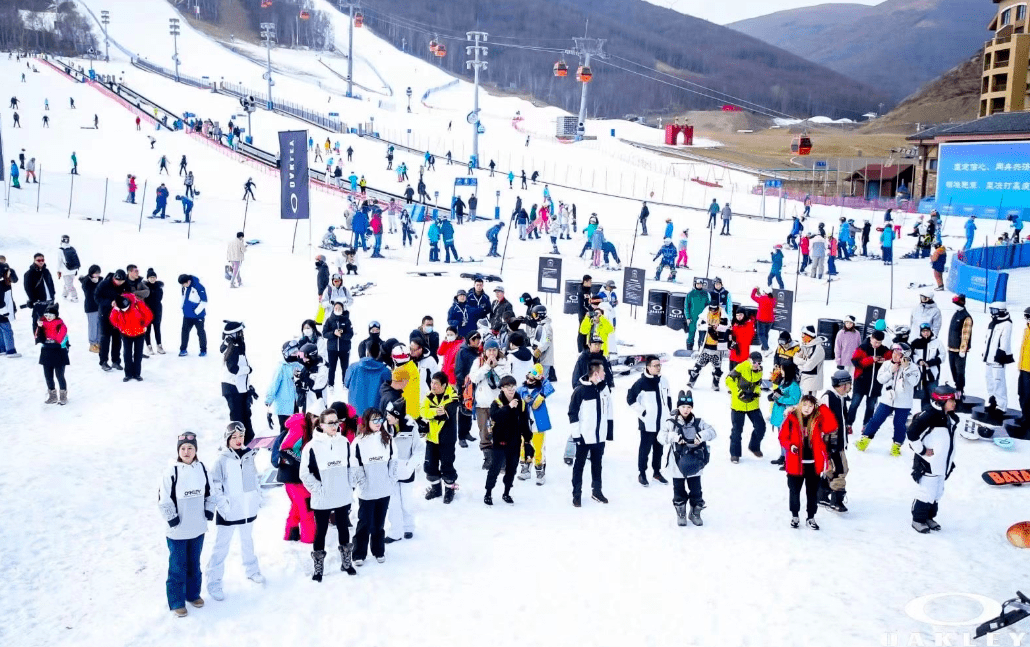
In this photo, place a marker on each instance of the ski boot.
(715, 383)
(319, 558)
(823, 497)
(449, 492)
(434, 490)
(921, 527)
(507, 499)
(862, 443)
(930, 519)
(895, 449)
(51, 397)
(345, 559)
(681, 513)
(487, 460)
(695, 516)
(524, 471)
(576, 501)
(540, 474)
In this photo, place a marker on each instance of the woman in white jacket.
(809, 361)
(326, 472)
(336, 292)
(234, 486)
(187, 504)
(899, 378)
(375, 471)
(409, 452)
(686, 439)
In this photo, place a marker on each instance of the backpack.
(71, 258)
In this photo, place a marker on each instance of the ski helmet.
(902, 349)
(998, 308)
(397, 408)
(538, 312)
(926, 294)
(232, 329)
(944, 392)
(925, 326)
(685, 398)
(290, 349)
(903, 332)
(839, 378)
(1026, 313)
(337, 277)
(310, 352)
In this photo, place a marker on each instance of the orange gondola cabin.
(583, 74)
(561, 69)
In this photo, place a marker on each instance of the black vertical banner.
(293, 173)
(548, 277)
(783, 311)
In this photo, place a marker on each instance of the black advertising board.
(783, 311)
(548, 277)
(872, 315)
(709, 284)
(633, 279)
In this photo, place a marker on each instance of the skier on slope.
(668, 256)
(716, 340)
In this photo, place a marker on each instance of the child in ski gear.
(786, 392)
(510, 434)
(52, 334)
(68, 269)
(535, 391)
(742, 333)
(926, 354)
(681, 255)
(899, 379)
(234, 486)
(668, 256)
(286, 454)
(715, 328)
(696, 304)
(932, 439)
(187, 504)
(440, 412)
(409, 452)
(650, 399)
(744, 382)
(325, 470)
(806, 459)
(686, 437)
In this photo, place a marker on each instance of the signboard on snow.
(293, 173)
(466, 181)
(984, 179)
(783, 311)
(872, 315)
(773, 184)
(633, 280)
(548, 276)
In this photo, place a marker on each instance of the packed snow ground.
(83, 554)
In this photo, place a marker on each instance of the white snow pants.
(930, 489)
(392, 218)
(69, 286)
(996, 385)
(216, 564)
(402, 501)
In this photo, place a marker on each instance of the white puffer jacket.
(898, 386)
(325, 471)
(234, 486)
(809, 361)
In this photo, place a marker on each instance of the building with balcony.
(1004, 86)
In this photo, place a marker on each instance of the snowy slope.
(82, 551)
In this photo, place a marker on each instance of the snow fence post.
(71, 192)
(103, 214)
(39, 186)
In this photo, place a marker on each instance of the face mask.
(307, 332)
(451, 337)
(429, 329)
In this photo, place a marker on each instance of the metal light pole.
(476, 65)
(105, 19)
(268, 34)
(350, 44)
(173, 29)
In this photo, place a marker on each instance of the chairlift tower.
(585, 48)
(476, 65)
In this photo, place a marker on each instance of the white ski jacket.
(374, 468)
(234, 486)
(326, 472)
(809, 360)
(184, 499)
(898, 386)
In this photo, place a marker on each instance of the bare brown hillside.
(954, 96)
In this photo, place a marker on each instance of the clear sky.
(729, 11)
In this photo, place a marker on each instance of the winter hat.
(239, 234)
(808, 331)
(881, 324)
(755, 357)
(499, 288)
(536, 373)
(151, 273)
(596, 339)
(491, 343)
(51, 309)
(461, 293)
(685, 398)
(609, 284)
(232, 327)
(526, 296)
(959, 299)
(850, 318)
(399, 375)
(120, 275)
(123, 303)
(186, 438)
(839, 378)
(777, 246)
(785, 337)
(878, 335)
(398, 408)
(230, 429)
(182, 278)
(472, 335)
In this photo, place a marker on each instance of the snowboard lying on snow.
(1007, 477)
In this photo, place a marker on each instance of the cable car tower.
(584, 49)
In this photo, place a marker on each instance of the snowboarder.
(696, 303)
(932, 439)
(715, 327)
(17, 120)
(248, 189)
(997, 355)
(194, 310)
(187, 503)
(651, 400)
(161, 200)
(14, 175)
(970, 233)
(832, 487)
(187, 207)
(644, 213)
(727, 214)
(927, 312)
(681, 255)
(188, 183)
(236, 370)
(744, 382)
(182, 166)
(713, 213)
(899, 379)
(926, 353)
(809, 361)
(687, 438)
(668, 255)
(409, 452)
(776, 269)
(534, 391)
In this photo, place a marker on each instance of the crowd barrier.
(981, 273)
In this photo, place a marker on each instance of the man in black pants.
(960, 331)
(39, 287)
(511, 432)
(590, 412)
(108, 291)
(650, 399)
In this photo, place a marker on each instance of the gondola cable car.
(583, 74)
(801, 145)
(561, 69)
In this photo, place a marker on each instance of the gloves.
(173, 522)
(269, 418)
(578, 440)
(209, 515)
(962, 355)
(733, 375)
(527, 448)
(773, 397)
(794, 450)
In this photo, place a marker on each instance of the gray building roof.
(1002, 123)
